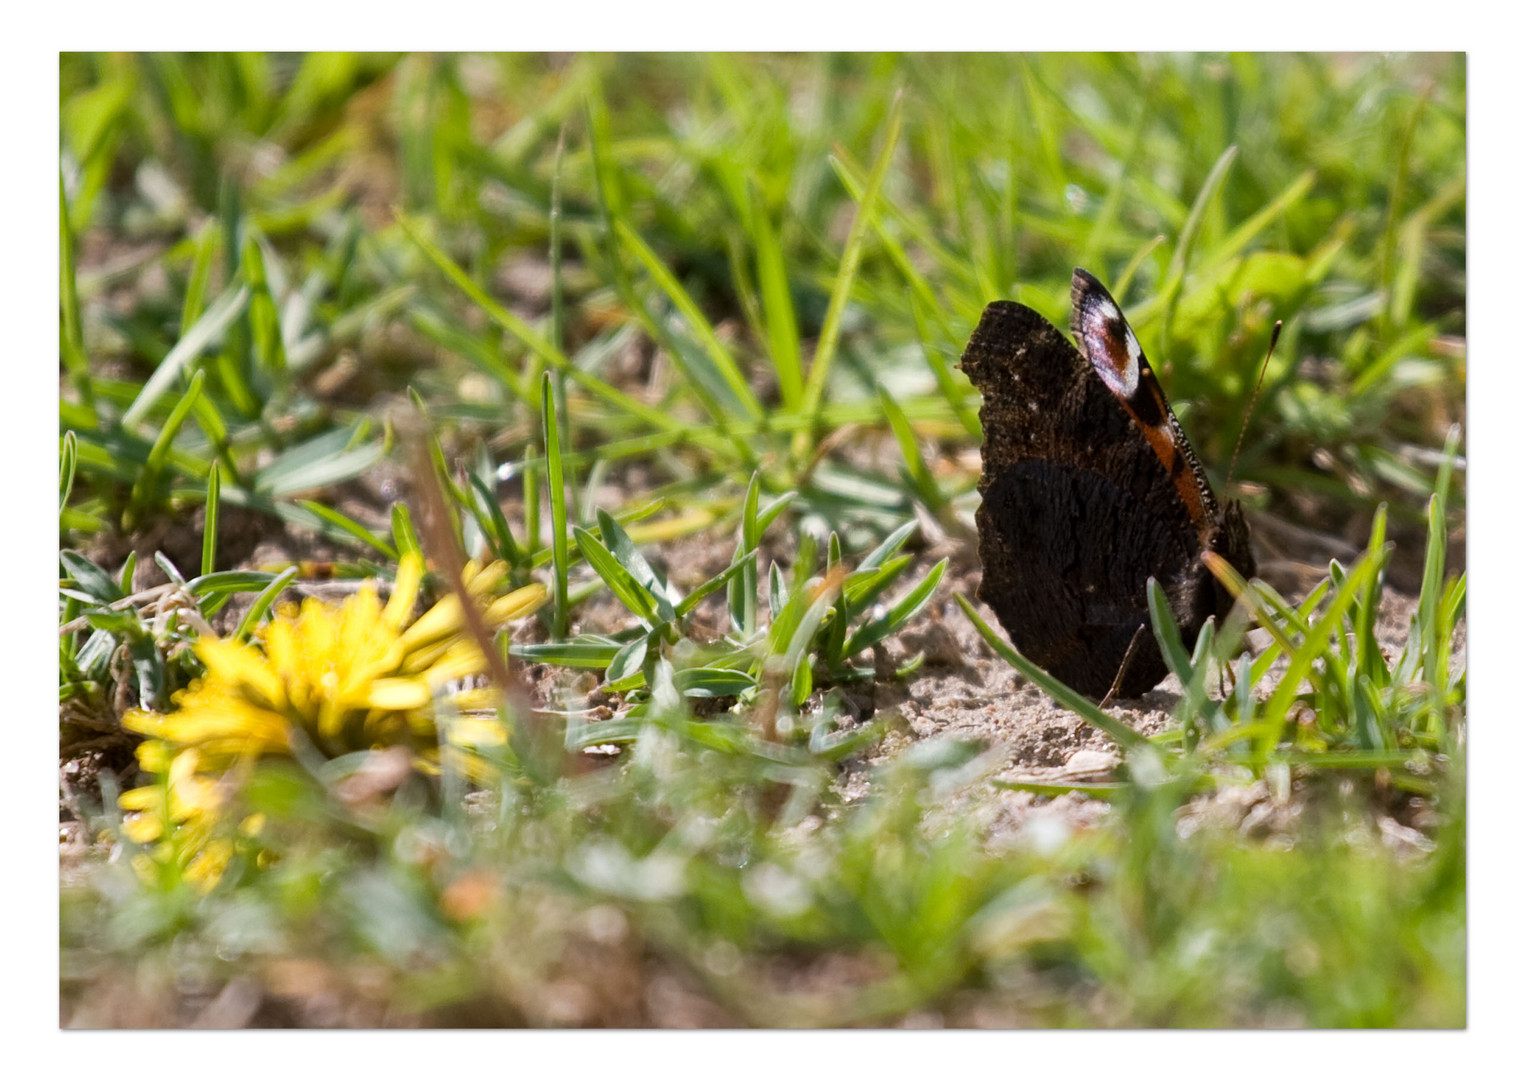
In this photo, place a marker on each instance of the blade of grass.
(954, 392)
(209, 518)
(538, 345)
(263, 602)
(923, 484)
(161, 448)
(724, 365)
(71, 337)
(1186, 237)
(403, 534)
(351, 527)
(495, 524)
(902, 612)
(216, 319)
(779, 313)
(200, 276)
(558, 331)
(742, 593)
(557, 499)
(68, 460)
(848, 268)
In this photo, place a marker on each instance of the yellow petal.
(207, 866)
(405, 590)
(140, 798)
(516, 605)
(421, 658)
(241, 665)
(252, 825)
(479, 582)
(153, 755)
(281, 645)
(184, 766)
(474, 768)
(479, 697)
(442, 619)
(478, 731)
(360, 621)
(142, 828)
(143, 722)
(398, 694)
(462, 659)
(318, 633)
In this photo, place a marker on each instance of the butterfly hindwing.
(1088, 489)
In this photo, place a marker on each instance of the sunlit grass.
(645, 301)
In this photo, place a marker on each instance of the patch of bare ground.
(964, 690)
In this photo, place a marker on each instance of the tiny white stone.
(1089, 763)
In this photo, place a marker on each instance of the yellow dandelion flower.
(338, 678)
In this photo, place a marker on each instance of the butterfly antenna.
(1252, 404)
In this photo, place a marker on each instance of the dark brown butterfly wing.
(1088, 489)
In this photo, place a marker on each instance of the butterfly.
(1089, 488)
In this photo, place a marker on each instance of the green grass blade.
(158, 453)
(200, 276)
(263, 602)
(711, 682)
(742, 591)
(557, 499)
(1168, 637)
(731, 376)
(331, 458)
(68, 461)
(494, 523)
(351, 527)
(531, 340)
(902, 612)
(725, 578)
(209, 528)
(1186, 238)
(779, 313)
(619, 544)
(227, 582)
(848, 268)
(96, 583)
(576, 653)
(955, 392)
(863, 586)
(71, 335)
(558, 318)
(213, 322)
(889, 546)
(918, 474)
(626, 588)
(1247, 231)
(403, 534)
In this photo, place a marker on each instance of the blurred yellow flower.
(336, 678)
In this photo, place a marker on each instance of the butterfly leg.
(1129, 654)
